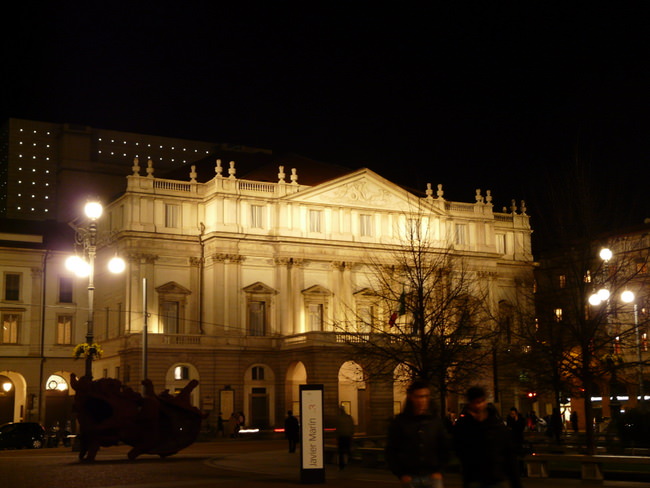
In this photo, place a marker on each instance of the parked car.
(18, 435)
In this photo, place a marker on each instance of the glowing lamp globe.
(595, 299)
(116, 265)
(603, 293)
(93, 210)
(605, 254)
(78, 266)
(627, 296)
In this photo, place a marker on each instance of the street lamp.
(86, 237)
(628, 297)
(602, 295)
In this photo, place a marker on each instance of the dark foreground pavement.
(284, 467)
(223, 464)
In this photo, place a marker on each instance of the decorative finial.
(513, 206)
(150, 169)
(232, 170)
(294, 176)
(429, 191)
(440, 193)
(136, 167)
(218, 169)
(281, 175)
(478, 197)
(523, 207)
(193, 174)
(488, 196)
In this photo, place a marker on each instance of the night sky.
(496, 95)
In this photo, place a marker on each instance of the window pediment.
(173, 288)
(259, 288)
(317, 291)
(365, 293)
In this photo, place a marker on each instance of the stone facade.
(244, 282)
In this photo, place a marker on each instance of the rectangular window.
(10, 325)
(460, 236)
(558, 315)
(256, 318)
(414, 229)
(562, 281)
(64, 329)
(315, 219)
(366, 318)
(501, 243)
(257, 373)
(12, 286)
(172, 215)
(365, 225)
(169, 317)
(316, 316)
(257, 216)
(65, 289)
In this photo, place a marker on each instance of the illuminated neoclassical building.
(243, 280)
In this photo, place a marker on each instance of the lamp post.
(596, 299)
(602, 295)
(628, 297)
(86, 237)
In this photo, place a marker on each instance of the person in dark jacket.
(291, 430)
(516, 425)
(344, 433)
(417, 447)
(484, 446)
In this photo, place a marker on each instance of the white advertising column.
(312, 442)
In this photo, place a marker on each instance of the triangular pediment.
(365, 292)
(363, 188)
(173, 288)
(316, 290)
(259, 287)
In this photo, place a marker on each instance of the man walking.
(417, 447)
(291, 430)
(484, 445)
(344, 433)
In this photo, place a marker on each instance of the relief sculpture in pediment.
(360, 191)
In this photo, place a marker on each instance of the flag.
(401, 310)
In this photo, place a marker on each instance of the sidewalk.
(281, 466)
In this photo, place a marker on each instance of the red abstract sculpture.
(109, 412)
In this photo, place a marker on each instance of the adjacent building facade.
(239, 283)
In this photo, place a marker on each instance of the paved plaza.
(225, 463)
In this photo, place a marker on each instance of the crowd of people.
(489, 448)
(419, 444)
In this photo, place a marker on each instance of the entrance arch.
(352, 393)
(296, 376)
(13, 396)
(58, 402)
(178, 376)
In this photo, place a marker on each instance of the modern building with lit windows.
(239, 279)
(47, 169)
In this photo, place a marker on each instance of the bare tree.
(432, 317)
(577, 346)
